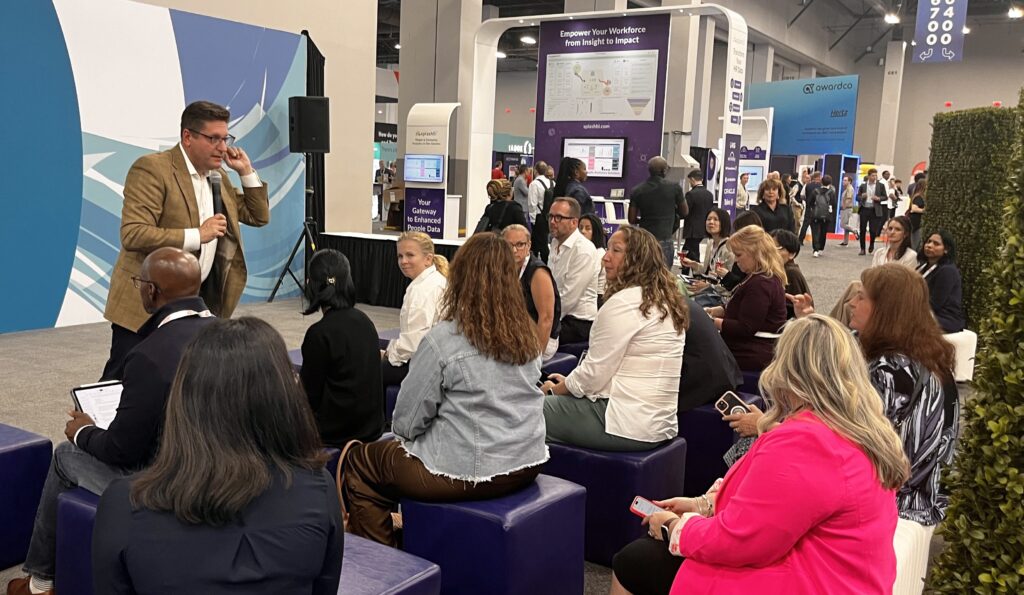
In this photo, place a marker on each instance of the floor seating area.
(708, 438)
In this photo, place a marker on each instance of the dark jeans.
(122, 341)
(70, 467)
(379, 474)
(808, 223)
(819, 232)
(668, 250)
(868, 220)
(575, 330)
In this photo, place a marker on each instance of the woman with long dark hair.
(469, 419)
(592, 228)
(237, 498)
(340, 356)
(897, 241)
(571, 174)
(937, 264)
(624, 395)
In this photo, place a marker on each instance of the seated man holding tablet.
(169, 289)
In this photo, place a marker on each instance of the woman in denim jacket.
(469, 419)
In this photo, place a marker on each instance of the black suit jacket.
(699, 201)
(131, 440)
(709, 369)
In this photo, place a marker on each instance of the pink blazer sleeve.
(790, 485)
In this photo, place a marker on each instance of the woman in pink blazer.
(811, 507)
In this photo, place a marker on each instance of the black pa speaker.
(309, 125)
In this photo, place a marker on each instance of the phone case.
(645, 503)
(729, 403)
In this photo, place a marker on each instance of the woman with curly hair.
(624, 395)
(469, 421)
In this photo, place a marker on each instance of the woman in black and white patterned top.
(911, 367)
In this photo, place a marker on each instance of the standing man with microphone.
(179, 198)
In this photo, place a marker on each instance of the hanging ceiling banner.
(939, 36)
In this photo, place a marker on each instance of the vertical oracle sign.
(939, 36)
(732, 125)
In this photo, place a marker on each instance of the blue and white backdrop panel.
(84, 101)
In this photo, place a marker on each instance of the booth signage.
(940, 31)
(812, 116)
(385, 133)
(424, 211)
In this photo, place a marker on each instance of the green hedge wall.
(966, 192)
(984, 528)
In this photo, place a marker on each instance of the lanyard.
(184, 314)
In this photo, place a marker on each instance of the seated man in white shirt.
(574, 264)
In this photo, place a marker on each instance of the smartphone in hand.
(642, 507)
(730, 403)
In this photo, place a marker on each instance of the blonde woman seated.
(623, 395)
(757, 309)
(421, 303)
(810, 509)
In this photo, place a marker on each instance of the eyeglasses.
(559, 218)
(216, 140)
(138, 281)
(519, 245)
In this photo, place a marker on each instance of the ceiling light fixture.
(1015, 12)
(966, 29)
(501, 54)
(398, 46)
(528, 40)
(892, 18)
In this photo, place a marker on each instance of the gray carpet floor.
(39, 367)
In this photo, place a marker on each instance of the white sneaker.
(816, 253)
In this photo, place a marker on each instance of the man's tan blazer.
(159, 205)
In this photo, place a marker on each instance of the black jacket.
(699, 202)
(502, 213)
(132, 438)
(341, 375)
(780, 218)
(709, 369)
(658, 203)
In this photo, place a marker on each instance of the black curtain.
(315, 177)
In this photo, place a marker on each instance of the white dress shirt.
(420, 312)
(635, 363)
(574, 267)
(204, 200)
(538, 187)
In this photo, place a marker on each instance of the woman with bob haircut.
(809, 509)
(624, 395)
(420, 305)
(757, 309)
(340, 354)
(237, 498)
(469, 421)
(911, 368)
(774, 213)
(897, 240)
(937, 264)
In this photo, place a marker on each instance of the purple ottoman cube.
(76, 515)
(576, 349)
(612, 480)
(709, 438)
(24, 463)
(370, 568)
(526, 543)
(559, 363)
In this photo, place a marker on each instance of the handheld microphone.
(218, 202)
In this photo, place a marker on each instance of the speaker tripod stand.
(308, 234)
